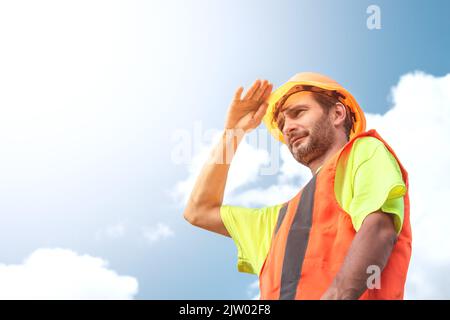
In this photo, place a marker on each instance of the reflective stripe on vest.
(312, 237)
(297, 243)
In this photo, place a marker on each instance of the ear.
(339, 114)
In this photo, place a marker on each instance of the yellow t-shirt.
(370, 180)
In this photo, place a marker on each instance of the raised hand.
(246, 113)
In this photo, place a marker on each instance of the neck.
(318, 162)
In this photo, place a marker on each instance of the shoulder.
(367, 144)
(365, 148)
(372, 156)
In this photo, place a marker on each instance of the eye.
(280, 123)
(296, 113)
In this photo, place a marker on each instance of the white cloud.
(253, 290)
(291, 177)
(244, 169)
(151, 234)
(417, 126)
(64, 274)
(418, 129)
(157, 233)
(113, 231)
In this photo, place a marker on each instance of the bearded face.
(315, 141)
(307, 128)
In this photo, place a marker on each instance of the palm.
(246, 113)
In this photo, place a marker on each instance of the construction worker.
(346, 234)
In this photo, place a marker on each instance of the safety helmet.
(315, 82)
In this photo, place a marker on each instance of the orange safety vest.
(312, 237)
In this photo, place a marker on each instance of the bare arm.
(244, 114)
(372, 245)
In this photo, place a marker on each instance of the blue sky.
(91, 93)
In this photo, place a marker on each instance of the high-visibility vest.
(312, 237)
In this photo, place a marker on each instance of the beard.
(317, 142)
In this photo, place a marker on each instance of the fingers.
(257, 117)
(237, 94)
(259, 91)
(267, 92)
(257, 95)
(252, 90)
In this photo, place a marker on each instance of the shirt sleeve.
(378, 184)
(251, 229)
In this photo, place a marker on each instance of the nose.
(288, 128)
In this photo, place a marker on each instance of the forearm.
(372, 246)
(245, 114)
(210, 185)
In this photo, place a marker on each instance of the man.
(346, 234)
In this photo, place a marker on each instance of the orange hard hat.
(310, 81)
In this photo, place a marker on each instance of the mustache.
(296, 135)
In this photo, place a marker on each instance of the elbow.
(191, 220)
(189, 217)
(196, 212)
(191, 213)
